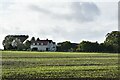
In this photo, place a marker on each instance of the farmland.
(23, 65)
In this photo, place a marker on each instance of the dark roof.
(53, 42)
(73, 44)
(44, 42)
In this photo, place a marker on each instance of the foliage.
(14, 43)
(86, 46)
(113, 41)
(17, 44)
(111, 44)
(7, 43)
(66, 46)
(27, 45)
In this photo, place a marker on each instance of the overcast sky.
(59, 21)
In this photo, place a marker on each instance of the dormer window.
(37, 43)
(41, 43)
(33, 43)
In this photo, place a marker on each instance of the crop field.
(23, 65)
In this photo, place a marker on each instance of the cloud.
(77, 11)
(85, 11)
(5, 4)
(73, 21)
(39, 9)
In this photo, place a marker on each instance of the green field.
(19, 65)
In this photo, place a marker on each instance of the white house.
(43, 45)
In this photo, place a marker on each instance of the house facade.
(43, 45)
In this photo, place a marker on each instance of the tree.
(14, 42)
(27, 45)
(74, 47)
(7, 43)
(86, 46)
(64, 46)
(113, 41)
(17, 44)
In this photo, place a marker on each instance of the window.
(41, 43)
(33, 43)
(53, 47)
(37, 43)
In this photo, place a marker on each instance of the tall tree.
(64, 46)
(27, 44)
(113, 41)
(87, 46)
(7, 43)
(17, 44)
(14, 42)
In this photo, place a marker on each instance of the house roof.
(44, 42)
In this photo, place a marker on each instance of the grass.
(46, 65)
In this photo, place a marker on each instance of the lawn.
(23, 65)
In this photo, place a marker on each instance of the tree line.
(111, 44)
